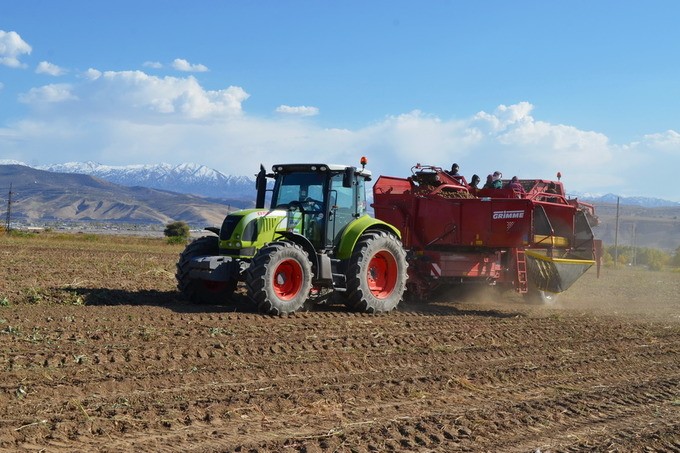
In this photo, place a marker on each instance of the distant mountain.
(611, 198)
(640, 226)
(199, 179)
(185, 178)
(642, 221)
(50, 196)
(40, 195)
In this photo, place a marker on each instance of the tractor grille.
(268, 223)
(228, 226)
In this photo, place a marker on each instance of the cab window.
(299, 187)
(342, 197)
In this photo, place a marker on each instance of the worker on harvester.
(454, 173)
(474, 182)
(516, 187)
(497, 180)
(552, 188)
(454, 170)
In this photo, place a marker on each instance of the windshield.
(299, 187)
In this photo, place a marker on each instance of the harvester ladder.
(521, 266)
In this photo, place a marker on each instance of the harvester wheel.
(197, 290)
(376, 276)
(539, 297)
(279, 279)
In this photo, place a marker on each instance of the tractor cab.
(320, 200)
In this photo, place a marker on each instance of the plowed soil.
(99, 353)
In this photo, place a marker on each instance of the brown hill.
(640, 226)
(43, 196)
(46, 196)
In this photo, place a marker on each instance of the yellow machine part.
(551, 241)
(554, 274)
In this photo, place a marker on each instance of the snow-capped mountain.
(191, 178)
(611, 198)
(185, 178)
(45, 196)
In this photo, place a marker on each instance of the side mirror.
(261, 186)
(348, 177)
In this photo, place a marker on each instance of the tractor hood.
(242, 232)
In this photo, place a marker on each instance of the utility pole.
(616, 234)
(9, 207)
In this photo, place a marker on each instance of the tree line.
(652, 258)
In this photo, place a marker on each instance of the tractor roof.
(334, 168)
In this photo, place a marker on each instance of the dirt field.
(99, 354)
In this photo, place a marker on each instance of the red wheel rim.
(382, 274)
(287, 279)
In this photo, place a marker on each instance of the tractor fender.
(306, 245)
(356, 228)
(213, 229)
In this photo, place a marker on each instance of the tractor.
(315, 243)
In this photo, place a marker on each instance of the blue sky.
(591, 89)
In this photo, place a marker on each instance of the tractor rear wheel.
(279, 279)
(376, 276)
(197, 290)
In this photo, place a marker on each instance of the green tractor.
(315, 241)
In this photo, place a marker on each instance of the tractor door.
(346, 204)
(302, 193)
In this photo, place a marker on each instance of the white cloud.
(511, 140)
(137, 96)
(48, 94)
(668, 142)
(11, 48)
(92, 74)
(153, 64)
(45, 67)
(301, 110)
(506, 116)
(127, 117)
(184, 66)
(136, 91)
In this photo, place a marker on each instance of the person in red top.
(516, 186)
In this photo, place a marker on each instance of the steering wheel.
(291, 204)
(316, 205)
(294, 204)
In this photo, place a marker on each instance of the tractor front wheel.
(279, 279)
(376, 276)
(197, 290)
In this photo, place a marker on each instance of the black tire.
(376, 276)
(279, 279)
(196, 290)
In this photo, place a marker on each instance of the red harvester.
(533, 239)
